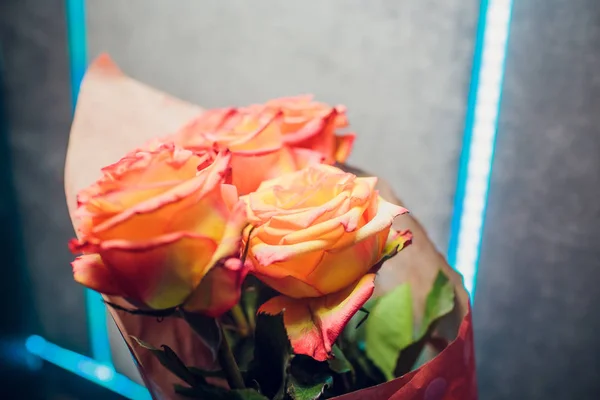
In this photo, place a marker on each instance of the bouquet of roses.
(241, 259)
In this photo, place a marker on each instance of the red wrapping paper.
(116, 113)
(449, 376)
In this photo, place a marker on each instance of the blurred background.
(482, 114)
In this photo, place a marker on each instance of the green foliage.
(313, 390)
(339, 363)
(272, 355)
(389, 329)
(355, 330)
(249, 302)
(201, 373)
(282, 375)
(172, 362)
(393, 342)
(308, 379)
(440, 301)
(243, 350)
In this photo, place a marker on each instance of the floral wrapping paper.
(115, 113)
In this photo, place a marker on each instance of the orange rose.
(312, 125)
(318, 234)
(157, 226)
(255, 141)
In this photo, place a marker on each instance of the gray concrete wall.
(401, 66)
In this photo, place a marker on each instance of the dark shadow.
(18, 318)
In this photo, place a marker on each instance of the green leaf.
(201, 373)
(299, 390)
(218, 393)
(440, 301)
(172, 362)
(355, 329)
(389, 329)
(408, 357)
(272, 354)
(308, 378)
(365, 372)
(392, 340)
(339, 363)
(244, 352)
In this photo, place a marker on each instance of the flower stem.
(228, 363)
(251, 318)
(240, 320)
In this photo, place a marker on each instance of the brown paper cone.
(115, 114)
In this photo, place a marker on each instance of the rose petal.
(313, 126)
(338, 269)
(253, 136)
(303, 191)
(305, 157)
(345, 207)
(289, 284)
(219, 290)
(267, 255)
(309, 128)
(90, 271)
(306, 217)
(386, 212)
(343, 146)
(136, 177)
(298, 176)
(397, 241)
(230, 195)
(231, 240)
(320, 266)
(162, 272)
(193, 135)
(331, 230)
(313, 325)
(319, 135)
(370, 181)
(250, 170)
(183, 208)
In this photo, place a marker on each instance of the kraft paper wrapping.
(115, 114)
